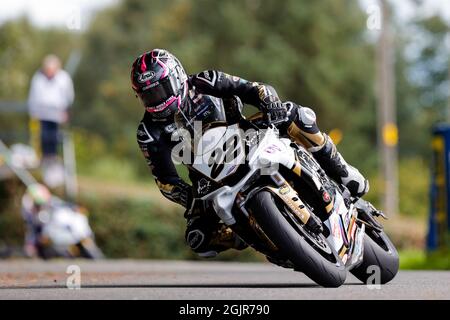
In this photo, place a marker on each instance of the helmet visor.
(159, 92)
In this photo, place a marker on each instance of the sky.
(406, 10)
(75, 14)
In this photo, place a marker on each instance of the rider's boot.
(225, 238)
(338, 169)
(209, 244)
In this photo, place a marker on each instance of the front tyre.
(380, 252)
(326, 272)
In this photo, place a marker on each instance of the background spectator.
(51, 94)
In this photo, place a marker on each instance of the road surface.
(129, 279)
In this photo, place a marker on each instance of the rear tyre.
(326, 270)
(380, 252)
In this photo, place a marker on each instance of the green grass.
(421, 260)
(134, 221)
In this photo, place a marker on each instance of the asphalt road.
(127, 279)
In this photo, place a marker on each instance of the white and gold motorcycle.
(277, 198)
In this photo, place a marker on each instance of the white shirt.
(49, 99)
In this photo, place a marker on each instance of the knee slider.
(198, 235)
(305, 120)
(196, 240)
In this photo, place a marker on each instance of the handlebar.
(276, 122)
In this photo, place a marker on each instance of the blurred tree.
(430, 72)
(312, 52)
(22, 48)
(422, 83)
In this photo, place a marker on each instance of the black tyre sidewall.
(293, 245)
(387, 261)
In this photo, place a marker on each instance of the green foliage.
(144, 228)
(312, 52)
(94, 159)
(434, 59)
(295, 45)
(140, 226)
(134, 221)
(422, 82)
(414, 184)
(420, 260)
(11, 224)
(22, 48)
(414, 187)
(136, 228)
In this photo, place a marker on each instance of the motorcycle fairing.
(219, 152)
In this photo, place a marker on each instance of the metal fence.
(13, 107)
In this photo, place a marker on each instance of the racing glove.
(271, 104)
(276, 111)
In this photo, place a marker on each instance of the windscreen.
(204, 114)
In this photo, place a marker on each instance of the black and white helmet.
(160, 82)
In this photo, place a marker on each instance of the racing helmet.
(160, 82)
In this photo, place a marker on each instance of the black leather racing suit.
(154, 139)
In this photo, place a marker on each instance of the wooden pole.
(387, 123)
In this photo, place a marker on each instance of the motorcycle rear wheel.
(295, 245)
(380, 252)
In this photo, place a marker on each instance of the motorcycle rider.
(164, 88)
(38, 206)
(36, 198)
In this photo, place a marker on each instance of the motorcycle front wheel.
(309, 253)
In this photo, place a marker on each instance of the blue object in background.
(439, 220)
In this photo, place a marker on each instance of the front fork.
(348, 233)
(289, 196)
(291, 199)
